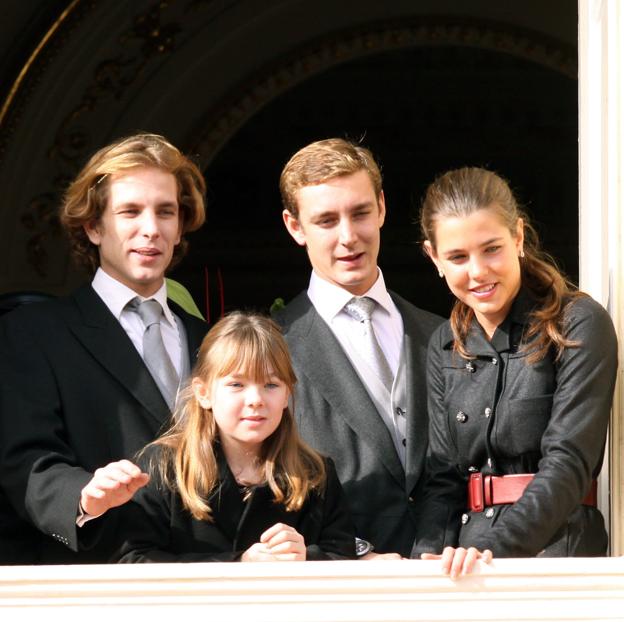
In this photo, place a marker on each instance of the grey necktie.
(155, 354)
(361, 308)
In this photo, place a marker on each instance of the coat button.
(487, 412)
(464, 519)
(461, 417)
(489, 513)
(494, 361)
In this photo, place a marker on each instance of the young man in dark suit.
(358, 350)
(78, 398)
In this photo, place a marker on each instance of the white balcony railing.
(507, 589)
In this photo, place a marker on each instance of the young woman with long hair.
(520, 383)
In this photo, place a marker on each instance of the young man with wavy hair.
(81, 391)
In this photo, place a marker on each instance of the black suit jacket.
(336, 416)
(76, 395)
(161, 530)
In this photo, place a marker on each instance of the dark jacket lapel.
(102, 335)
(415, 342)
(321, 358)
(226, 502)
(244, 521)
(260, 513)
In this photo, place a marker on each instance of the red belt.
(486, 490)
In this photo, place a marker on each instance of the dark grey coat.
(499, 415)
(337, 417)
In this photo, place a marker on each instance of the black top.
(161, 530)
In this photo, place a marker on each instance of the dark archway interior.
(421, 111)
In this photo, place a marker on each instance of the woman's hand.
(279, 543)
(459, 561)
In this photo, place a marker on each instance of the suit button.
(464, 519)
(461, 417)
(488, 412)
(411, 499)
(489, 513)
(494, 361)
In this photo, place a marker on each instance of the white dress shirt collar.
(329, 299)
(116, 295)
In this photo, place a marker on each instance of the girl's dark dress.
(497, 415)
(161, 530)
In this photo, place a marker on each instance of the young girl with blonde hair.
(231, 480)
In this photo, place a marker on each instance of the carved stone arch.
(338, 47)
(196, 70)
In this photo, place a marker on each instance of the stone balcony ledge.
(507, 589)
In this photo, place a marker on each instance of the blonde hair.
(461, 192)
(87, 196)
(324, 160)
(251, 345)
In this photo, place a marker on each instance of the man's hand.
(459, 561)
(110, 486)
(279, 543)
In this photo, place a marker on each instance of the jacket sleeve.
(444, 493)
(337, 534)
(40, 474)
(149, 528)
(573, 442)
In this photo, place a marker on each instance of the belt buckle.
(476, 492)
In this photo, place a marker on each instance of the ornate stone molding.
(335, 48)
(150, 36)
(33, 68)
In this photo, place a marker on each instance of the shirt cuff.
(82, 518)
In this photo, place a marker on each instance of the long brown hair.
(460, 193)
(252, 345)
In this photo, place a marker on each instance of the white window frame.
(601, 207)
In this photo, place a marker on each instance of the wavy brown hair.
(461, 192)
(251, 345)
(323, 160)
(87, 196)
